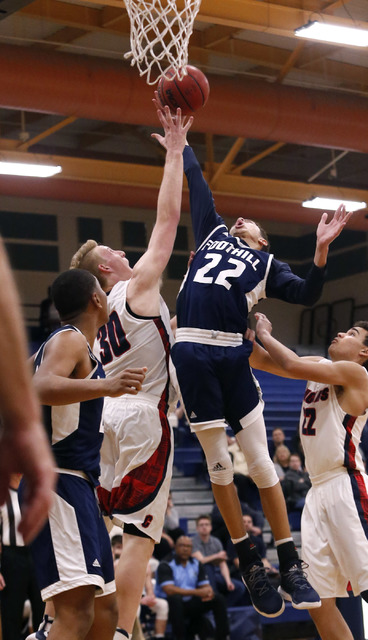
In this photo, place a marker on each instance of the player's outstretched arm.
(149, 268)
(340, 373)
(328, 231)
(23, 442)
(57, 382)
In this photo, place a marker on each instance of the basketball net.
(159, 36)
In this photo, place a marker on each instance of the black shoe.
(265, 599)
(296, 588)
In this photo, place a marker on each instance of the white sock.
(236, 540)
(278, 542)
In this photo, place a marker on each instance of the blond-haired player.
(136, 456)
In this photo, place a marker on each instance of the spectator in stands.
(278, 437)
(210, 552)
(281, 460)
(261, 548)
(183, 581)
(295, 484)
(247, 489)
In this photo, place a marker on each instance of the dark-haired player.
(229, 274)
(335, 516)
(72, 552)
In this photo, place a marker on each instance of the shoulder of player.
(66, 340)
(355, 374)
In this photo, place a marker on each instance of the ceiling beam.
(123, 174)
(216, 38)
(226, 163)
(24, 146)
(263, 154)
(248, 14)
(267, 17)
(100, 89)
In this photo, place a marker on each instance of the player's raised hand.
(175, 129)
(328, 231)
(129, 381)
(263, 324)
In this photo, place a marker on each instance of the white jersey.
(129, 340)
(329, 436)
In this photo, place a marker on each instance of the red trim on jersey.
(350, 449)
(361, 496)
(139, 487)
(166, 345)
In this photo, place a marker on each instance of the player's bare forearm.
(23, 444)
(341, 373)
(54, 390)
(17, 401)
(150, 267)
(261, 359)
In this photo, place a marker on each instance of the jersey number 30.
(112, 339)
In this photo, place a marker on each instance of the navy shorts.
(216, 383)
(73, 549)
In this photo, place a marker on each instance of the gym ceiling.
(286, 119)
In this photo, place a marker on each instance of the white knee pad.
(253, 442)
(219, 463)
(263, 473)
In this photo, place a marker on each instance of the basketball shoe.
(265, 599)
(296, 589)
(43, 629)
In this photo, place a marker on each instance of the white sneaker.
(119, 635)
(43, 630)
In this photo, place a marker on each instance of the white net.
(159, 35)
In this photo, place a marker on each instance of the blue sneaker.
(43, 630)
(265, 599)
(296, 589)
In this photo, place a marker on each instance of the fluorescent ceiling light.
(30, 170)
(331, 204)
(333, 33)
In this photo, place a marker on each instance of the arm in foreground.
(23, 443)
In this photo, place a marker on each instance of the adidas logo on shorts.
(96, 563)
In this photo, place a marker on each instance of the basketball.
(190, 93)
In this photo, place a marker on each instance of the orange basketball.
(189, 94)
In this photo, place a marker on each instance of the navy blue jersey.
(227, 278)
(74, 430)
